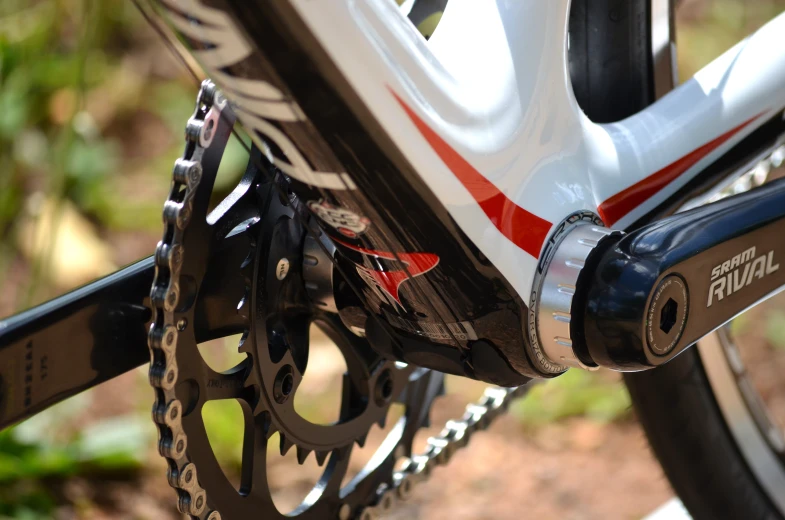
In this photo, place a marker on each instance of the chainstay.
(164, 298)
(167, 410)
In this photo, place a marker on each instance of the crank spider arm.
(642, 298)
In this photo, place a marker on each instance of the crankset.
(637, 300)
(271, 309)
(257, 266)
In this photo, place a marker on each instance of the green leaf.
(88, 162)
(14, 105)
(576, 393)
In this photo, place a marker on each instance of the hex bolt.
(666, 317)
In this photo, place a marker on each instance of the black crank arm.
(644, 297)
(99, 331)
(74, 342)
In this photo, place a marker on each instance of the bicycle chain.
(455, 435)
(164, 296)
(162, 340)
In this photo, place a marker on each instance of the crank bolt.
(384, 388)
(666, 318)
(284, 384)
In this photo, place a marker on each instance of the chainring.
(239, 270)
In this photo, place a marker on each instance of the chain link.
(165, 295)
(495, 401)
(456, 435)
(164, 298)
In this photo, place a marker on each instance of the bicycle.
(503, 206)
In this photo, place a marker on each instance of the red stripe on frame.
(619, 205)
(524, 229)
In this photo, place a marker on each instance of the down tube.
(426, 294)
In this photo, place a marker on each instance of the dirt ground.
(574, 469)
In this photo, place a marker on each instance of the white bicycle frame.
(488, 119)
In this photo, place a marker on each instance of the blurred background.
(92, 111)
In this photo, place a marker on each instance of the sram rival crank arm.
(640, 299)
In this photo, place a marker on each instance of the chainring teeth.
(171, 295)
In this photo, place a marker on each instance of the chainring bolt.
(284, 384)
(282, 269)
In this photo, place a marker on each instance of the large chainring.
(239, 270)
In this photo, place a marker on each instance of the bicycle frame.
(486, 120)
(486, 124)
(496, 106)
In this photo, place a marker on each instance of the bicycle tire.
(612, 74)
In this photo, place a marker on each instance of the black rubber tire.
(612, 77)
(610, 57)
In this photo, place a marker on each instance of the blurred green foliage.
(45, 447)
(92, 108)
(76, 85)
(575, 394)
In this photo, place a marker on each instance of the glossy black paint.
(617, 318)
(464, 291)
(74, 342)
(99, 331)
